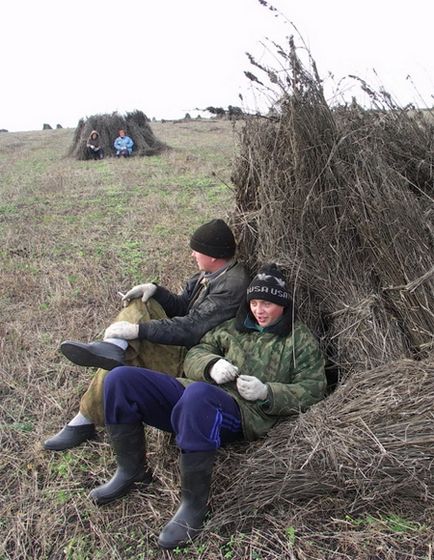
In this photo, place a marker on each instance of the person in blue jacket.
(123, 144)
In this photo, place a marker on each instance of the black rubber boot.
(70, 436)
(186, 524)
(101, 354)
(128, 442)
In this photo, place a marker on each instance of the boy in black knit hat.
(157, 326)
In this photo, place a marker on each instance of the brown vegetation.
(342, 198)
(73, 233)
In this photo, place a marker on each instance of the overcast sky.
(67, 59)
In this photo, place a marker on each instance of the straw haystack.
(136, 124)
(343, 199)
(369, 442)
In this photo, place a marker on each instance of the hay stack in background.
(136, 124)
(343, 199)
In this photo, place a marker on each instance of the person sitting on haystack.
(243, 377)
(123, 144)
(93, 146)
(157, 326)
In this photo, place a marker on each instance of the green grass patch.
(65, 464)
(8, 209)
(390, 522)
(25, 426)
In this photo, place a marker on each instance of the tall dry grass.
(342, 198)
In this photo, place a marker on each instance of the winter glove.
(122, 329)
(144, 291)
(223, 371)
(251, 388)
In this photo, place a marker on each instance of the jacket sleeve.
(218, 306)
(129, 143)
(176, 304)
(199, 359)
(118, 143)
(308, 384)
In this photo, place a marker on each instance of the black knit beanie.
(269, 285)
(214, 239)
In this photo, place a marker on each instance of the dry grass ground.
(73, 233)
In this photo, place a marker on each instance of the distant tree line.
(232, 113)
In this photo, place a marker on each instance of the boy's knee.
(197, 391)
(120, 374)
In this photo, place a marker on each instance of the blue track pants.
(202, 416)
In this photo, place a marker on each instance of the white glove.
(223, 371)
(144, 291)
(251, 388)
(122, 329)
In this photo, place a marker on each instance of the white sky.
(67, 59)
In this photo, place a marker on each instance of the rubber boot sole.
(102, 500)
(87, 356)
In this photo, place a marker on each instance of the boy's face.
(266, 313)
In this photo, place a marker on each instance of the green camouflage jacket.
(292, 366)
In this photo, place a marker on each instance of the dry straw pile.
(342, 198)
(136, 124)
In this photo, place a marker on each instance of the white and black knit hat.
(269, 284)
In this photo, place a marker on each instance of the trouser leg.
(202, 416)
(166, 358)
(205, 418)
(133, 395)
(157, 357)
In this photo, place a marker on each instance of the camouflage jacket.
(292, 366)
(203, 304)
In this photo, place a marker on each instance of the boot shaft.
(186, 524)
(128, 443)
(196, 472)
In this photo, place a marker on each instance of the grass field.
(73, 234)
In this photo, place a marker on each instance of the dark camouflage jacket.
(290, 364)
(203, 304)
